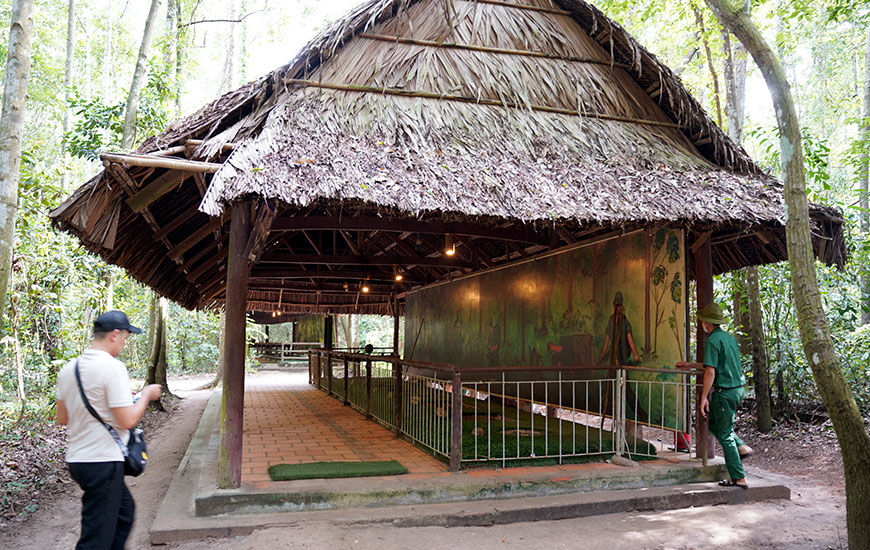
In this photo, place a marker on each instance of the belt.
(719, 388)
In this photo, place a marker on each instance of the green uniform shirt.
(721, 353)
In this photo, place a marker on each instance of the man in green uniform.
(723, 373)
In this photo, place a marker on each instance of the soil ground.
(808, 454)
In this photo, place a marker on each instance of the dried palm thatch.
(536, 112)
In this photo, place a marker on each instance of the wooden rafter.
(195, 237)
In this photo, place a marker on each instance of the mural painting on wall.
(308, 328)
(616, 302)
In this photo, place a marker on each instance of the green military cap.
(712, 314)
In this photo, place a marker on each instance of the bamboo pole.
(477, 101)
(554, 11)
(197, 142)
(160, 162)
(485, 49)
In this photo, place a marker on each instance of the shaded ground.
(799, 450)
(55, 523)
(808, 454)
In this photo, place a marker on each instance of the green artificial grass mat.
(317, 470)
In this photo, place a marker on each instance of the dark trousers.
(107, 505)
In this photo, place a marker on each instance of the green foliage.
(99, 126)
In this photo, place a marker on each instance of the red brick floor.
(287, 421)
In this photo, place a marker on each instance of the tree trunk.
(179, 55)
(108, 47)
(18, 63)
(159, 340)
(752, 319)
(171, 53)
(131, 110)
(220, 370)
(109, 279)
(760, 369)
(699, 18)
(865, 176)
(67, 86)
(818, 347)
(229, 74)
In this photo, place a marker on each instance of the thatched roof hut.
(514, 127)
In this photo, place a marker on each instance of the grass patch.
(319, 470)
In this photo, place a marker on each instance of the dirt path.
(56, 523)
(814, 518)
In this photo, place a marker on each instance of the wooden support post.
(346, 380)
(327, 332)
(395, 326)
(328, 373)
(704, 282)
(456, 427)
(233, 393)
(397, 372)
(368, 388)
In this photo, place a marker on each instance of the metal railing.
(503, 414)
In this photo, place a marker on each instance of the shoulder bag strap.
(94, 413)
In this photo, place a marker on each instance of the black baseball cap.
(114, 320)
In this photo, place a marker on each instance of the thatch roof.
(532, 122)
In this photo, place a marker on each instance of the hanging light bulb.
(449, 247)
(399, 275)
(365, 288)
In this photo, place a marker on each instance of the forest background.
(204, 48)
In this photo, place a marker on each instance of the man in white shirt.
(94, 458)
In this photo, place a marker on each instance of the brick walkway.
(287, 421)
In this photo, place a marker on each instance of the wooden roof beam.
(264, 271)
(377, 260)
(260, 230)
(214, 262)
(188, 243)
(157, 188)
(408, 226)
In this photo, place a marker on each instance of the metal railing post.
(619, 413)
(700, 425)
(346, 381)
(318, 372)
(397, 371)
(368, 388)
(456, 419)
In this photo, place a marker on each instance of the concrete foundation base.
(194, 508)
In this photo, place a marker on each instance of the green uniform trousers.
(723, 407)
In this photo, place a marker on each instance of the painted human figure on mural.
(619, 350)
(618, 341)
(493, 343)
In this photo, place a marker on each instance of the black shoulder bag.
(135, 455)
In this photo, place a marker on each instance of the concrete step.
(476, 513)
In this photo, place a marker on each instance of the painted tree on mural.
(664, 246)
